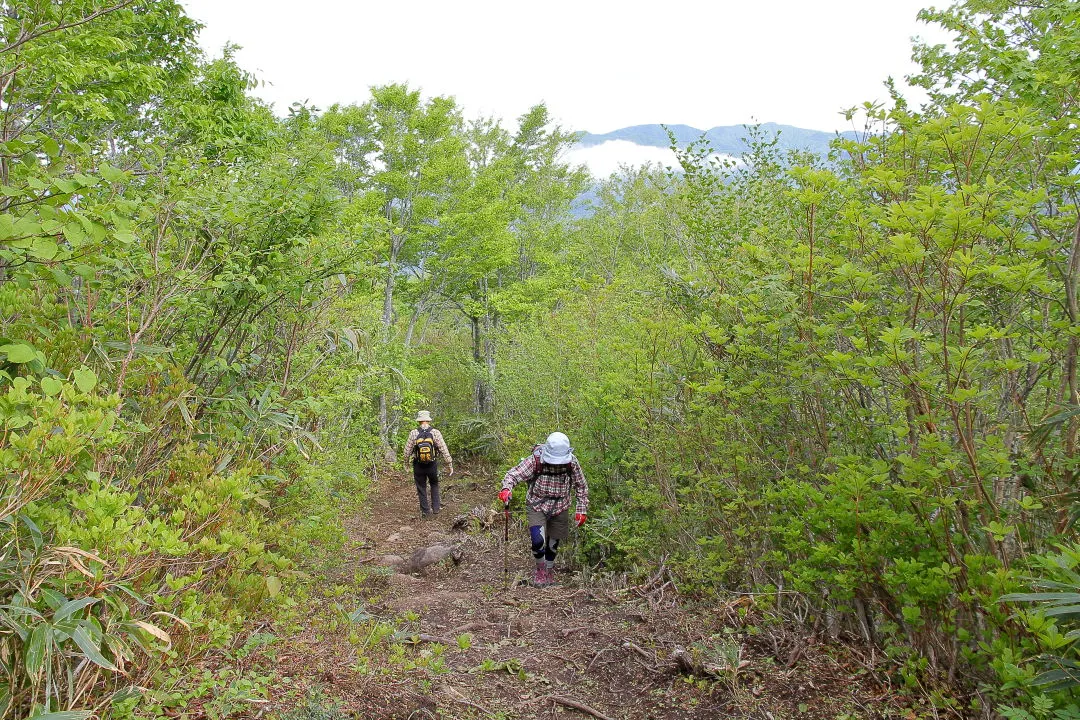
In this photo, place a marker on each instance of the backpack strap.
(537, 464)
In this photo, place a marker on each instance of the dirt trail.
(579, 649)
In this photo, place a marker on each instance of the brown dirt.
(593, 640)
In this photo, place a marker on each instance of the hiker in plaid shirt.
(550, 472)
(426, 471)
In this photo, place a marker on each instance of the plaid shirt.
(440, 446)
(549, 494)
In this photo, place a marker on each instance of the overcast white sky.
(598, 65)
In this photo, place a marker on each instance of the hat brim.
(551, 459)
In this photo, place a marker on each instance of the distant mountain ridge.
(725, 139)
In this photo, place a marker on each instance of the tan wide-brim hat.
(423, 416)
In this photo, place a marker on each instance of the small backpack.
(425, 447)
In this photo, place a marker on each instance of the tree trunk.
(491, 322)
(481, 391)
(386, 396)
(1069, 389)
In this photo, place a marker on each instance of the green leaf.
(91, 649)
(223, 463)
(185, 412)
(20, 610)
(71, 607)
(51, 147)
(1062, 611)
(273, 585)
(86, 180)
(51, 386)
(18, 352)
(36, 649)
(85, 379)
(360, 615)
(65, 187)
(64, 715)
(32, 527)
(1040, 597)
(44, 249)
(74, 233)
(112, 174)
(60, 277)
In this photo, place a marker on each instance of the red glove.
(579, 518)
(504, 495)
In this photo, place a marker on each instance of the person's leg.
(433, 481)
(538, 537)
(558, 529)
(420, 478)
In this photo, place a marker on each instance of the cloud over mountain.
(639, 144)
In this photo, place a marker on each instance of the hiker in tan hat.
(425, 446)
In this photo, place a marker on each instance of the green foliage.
(316, 707)
(1051, 625)
(166, 293)
(851, 380)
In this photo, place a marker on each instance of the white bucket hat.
(556, 450)
(423, 416)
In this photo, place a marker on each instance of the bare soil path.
(451, 642)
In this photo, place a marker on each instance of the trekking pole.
(506, 540)
(585, 561)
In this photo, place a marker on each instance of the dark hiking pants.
(424, 475)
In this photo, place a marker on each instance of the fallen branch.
(580, 707)
(596, 657)
(651, 665)
(456, 696)
(640, 651)
(567, 702)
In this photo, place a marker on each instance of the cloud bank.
(605, 158)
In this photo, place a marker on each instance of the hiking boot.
(549, 576)
(539, 578)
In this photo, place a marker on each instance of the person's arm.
(440, 443)
(410, 444)
(581, 488)
(522, 472)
